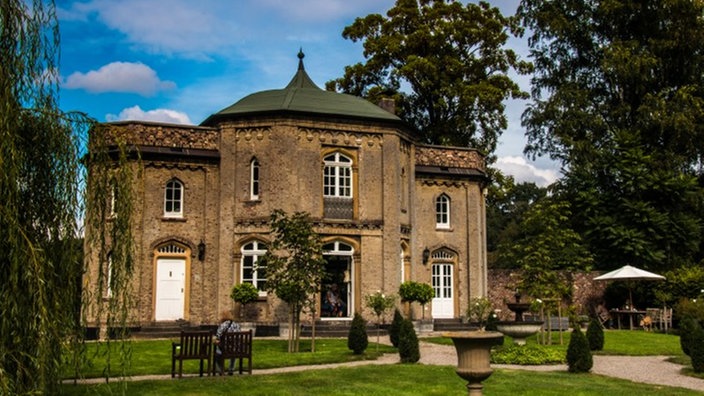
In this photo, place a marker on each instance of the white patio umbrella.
(629, 273)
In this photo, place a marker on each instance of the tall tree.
(546, 245)
(41, 262)
(506, 204)
(294, 267)
(618, 98)
(452, 58)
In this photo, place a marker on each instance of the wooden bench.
(236, 345)
(194, 345)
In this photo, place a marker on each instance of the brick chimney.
(388, 104)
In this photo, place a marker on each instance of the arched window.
(442, 211)
(254, 179)
(251, 272)
(337, 176)
(173, 199)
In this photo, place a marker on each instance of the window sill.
(444, 229)
(174, 219)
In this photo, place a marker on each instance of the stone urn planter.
(519, 331)
(473, 354)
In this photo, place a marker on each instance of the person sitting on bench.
(227, 325)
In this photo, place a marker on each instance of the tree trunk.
(312, 341)
(290, 328)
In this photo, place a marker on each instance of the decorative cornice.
(338, 137)
(445, 183)
(349, 225)
(250, 133)
(177, 165)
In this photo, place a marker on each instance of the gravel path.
(646, 369)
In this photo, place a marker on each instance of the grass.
(153, 357)
(616, 342)
(397, 379)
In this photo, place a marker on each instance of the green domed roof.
(301, 95)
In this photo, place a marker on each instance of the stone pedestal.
(473, 356)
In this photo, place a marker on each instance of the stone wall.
(452, 157)
(502, 289)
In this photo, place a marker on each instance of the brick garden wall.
(502, 288)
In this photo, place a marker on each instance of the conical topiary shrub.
(696, 350)
(357, 339)
(579, 357)
(408, 348)
(688, 327)
(595, 335)
(395, 328)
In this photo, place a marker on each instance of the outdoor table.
(630, 313)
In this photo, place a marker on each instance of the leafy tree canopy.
(603, 67)
(294, 266)
(618, 98)
(452, 59)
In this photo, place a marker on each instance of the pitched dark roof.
(301, 95)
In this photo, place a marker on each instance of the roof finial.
(301, 55)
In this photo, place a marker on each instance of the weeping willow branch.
(41, 210)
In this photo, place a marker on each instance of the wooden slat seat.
(194, 345)
(235, 345)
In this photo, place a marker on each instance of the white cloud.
(522, 171)
(204, 28)
(123, 77)
(135, 113)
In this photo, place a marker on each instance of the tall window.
(442, 211)
(254, 180)
(337, 176)
(173, 199)
(251, 272)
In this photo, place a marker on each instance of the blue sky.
(179, 61)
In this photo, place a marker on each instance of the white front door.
(443, 303)
(170, 289)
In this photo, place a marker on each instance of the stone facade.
(235, 171)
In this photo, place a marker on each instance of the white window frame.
(254, 180)
(253, 250)
(173, 186)
(442, 211)
(337, 176)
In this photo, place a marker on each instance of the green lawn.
(397, 379)
(153, 357)
(616, 342)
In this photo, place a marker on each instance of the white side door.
(170, 289)
(443, 302)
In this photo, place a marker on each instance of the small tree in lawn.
(379, 303)
(244, 293)
(595, 335)
(408, 348)
(395, 328)
(579, 357)
(357, 339)
(411, 291)
(294, 267)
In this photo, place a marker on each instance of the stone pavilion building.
(388, 208)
